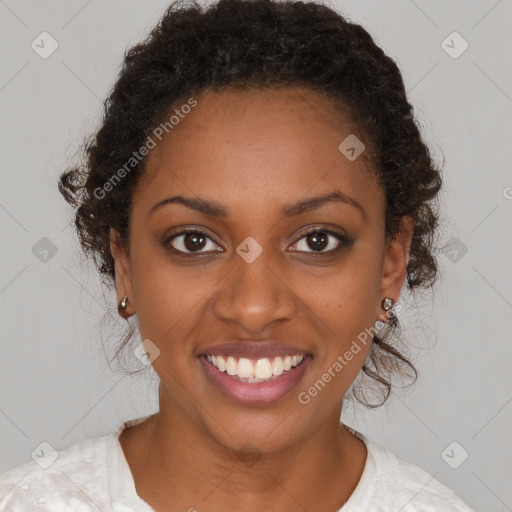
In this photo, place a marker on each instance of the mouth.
(254, 381)
(254, 370)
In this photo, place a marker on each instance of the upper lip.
(252, 349)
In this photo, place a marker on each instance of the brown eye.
(321, 241)
(317, 241)
(192, 241)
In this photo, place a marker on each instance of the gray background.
(55, 382)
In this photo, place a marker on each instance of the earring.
(387, 303)
(121, 307)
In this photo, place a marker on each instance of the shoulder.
(408, 487)
(68, 480)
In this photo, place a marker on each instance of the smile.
(252, 381)
(254, 370)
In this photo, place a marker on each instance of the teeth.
(231, 366)
(247, 371)
(245, 368)
(263, 369)
(278, 366)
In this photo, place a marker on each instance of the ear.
(396, 258)
(123, 278)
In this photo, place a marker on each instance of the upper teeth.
(260, 369)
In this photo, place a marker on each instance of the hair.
(257, 44)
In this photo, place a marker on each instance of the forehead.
(258, 147)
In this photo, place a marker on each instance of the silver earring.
(121, 307)
(387, 303)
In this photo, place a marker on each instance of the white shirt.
(93, 475)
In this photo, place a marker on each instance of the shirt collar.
(121, 485)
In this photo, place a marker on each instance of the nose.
(254, 295)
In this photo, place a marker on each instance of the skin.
(253, 152)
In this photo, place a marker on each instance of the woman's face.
(245, 167)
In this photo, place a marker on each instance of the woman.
(259, 194)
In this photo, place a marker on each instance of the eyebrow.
(305, 205)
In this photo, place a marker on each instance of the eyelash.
(342, 239)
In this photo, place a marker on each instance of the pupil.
(319, 240)
(198, 242)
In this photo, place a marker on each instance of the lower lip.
(255, 393)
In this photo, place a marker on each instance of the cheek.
(347, 296)
(346, 302)
(170, 297)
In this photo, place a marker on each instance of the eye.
(321, 241)
(191, 241)
(194, 241)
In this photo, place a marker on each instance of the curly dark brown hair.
(256, 44)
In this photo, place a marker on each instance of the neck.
(173, 460)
